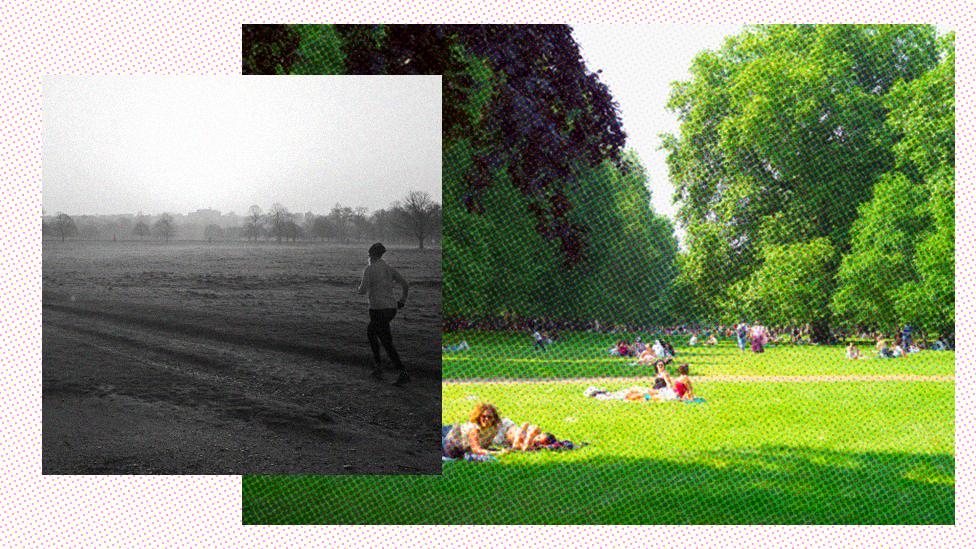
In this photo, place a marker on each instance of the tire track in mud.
(282, 390)
(298, 382)
(334, 355)
(234, 400)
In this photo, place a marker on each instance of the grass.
(585, 355)
(759, 452)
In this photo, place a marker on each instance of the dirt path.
(706, 379)
(123, 396)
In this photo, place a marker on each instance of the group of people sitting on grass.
(665, 388)
(694, 340)
(645, 354)
(486, 433)
(755, 337)
(900, 347)
(541, 339)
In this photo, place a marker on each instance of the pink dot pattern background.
(204, 38)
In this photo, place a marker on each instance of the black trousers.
(378, 333)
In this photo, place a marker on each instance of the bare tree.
(417, 215)
(213, 231)
(252, 227)
(141, 229)
(164, 227)
(322, 228)
(89, 230)
(64, 226)
(278, 219)
(381, 222)
(341, 219)
(292, 231)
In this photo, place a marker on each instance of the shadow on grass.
(759, 485)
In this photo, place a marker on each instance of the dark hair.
(377, 250)
(549, 438)
(683, 369)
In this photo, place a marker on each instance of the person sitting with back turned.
(682, 385)
(377, 285)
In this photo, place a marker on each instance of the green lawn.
(585, 355)
(759, 452)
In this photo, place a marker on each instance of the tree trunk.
(820, 332)
(420, 240)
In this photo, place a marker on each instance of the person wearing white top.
(377, 285)
(658, 349)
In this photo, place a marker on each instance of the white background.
(204, 38)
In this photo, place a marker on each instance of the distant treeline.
(415, 219)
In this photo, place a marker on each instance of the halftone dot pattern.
(173, 38)
(606, 487)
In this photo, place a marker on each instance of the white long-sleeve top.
(377, 285)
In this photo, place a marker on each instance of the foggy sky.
(176, 144)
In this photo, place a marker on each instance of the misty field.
(191, 357)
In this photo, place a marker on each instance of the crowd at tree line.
(415, 219)
(813, 171)
(553, 329)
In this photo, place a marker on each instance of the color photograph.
(692, 274)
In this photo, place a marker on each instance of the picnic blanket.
(471, 457)
(463, 346)
(558, 446)
(561, 446)
(638, 394)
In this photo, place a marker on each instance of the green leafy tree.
(885, 234)
(793, 286)
(901, 265)
(782, 137)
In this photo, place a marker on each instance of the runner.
(377, 285)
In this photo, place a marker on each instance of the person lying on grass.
(475, 436)
(623, 349)
(514, 437)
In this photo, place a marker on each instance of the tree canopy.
(789, 134)
(813, 169)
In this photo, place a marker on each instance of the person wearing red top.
(682, 385)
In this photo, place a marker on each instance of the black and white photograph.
(241, 275)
